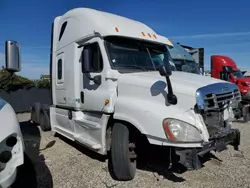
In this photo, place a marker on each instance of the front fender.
(148, 116)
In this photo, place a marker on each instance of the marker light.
(106, 101)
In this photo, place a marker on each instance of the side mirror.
(165, 71)
(86, 54)
(12, 56)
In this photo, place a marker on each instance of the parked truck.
(108, 94)
(11, 139)
(223, 67)
(183, 59)
(197, 55)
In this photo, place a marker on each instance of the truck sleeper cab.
(112, 84)
(218, 64)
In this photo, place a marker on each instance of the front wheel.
(123, 157)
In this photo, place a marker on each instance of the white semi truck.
(11, 139)
(112, 85)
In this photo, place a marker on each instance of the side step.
(88, 143)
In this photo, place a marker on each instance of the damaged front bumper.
(189, 157)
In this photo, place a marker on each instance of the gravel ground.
(66, 164)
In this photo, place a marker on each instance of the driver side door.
(94, 95)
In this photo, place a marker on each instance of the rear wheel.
(35, 112)
(44, 120)
(123, 157)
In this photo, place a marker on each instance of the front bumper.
(189, 157)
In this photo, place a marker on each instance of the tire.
(123, 168)
(33, 116)
(35, 113)
(44, 121)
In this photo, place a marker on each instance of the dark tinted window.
(95, 57)
(59, 69)
(62, 30)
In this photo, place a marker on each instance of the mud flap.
(246, 113)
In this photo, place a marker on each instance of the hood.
(245, 79)
(182, 82)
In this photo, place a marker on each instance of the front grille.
(215, 103)
(218, 102)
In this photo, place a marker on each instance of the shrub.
(17, 82)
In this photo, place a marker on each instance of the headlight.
(181, 131)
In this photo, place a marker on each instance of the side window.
(62, 30)
(96, 60)
(59, 69)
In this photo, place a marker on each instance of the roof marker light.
(143, 34)
(117, 30)
(154, 36)
(149, 35)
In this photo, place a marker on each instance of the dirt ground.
(66, 164)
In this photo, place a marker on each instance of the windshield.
(135, 55)
(238, 74)
(186, 66)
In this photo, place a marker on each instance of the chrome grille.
(213, 101)
(220, 101)
(216, 96)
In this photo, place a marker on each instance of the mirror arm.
(172, 99)
(93, 79)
